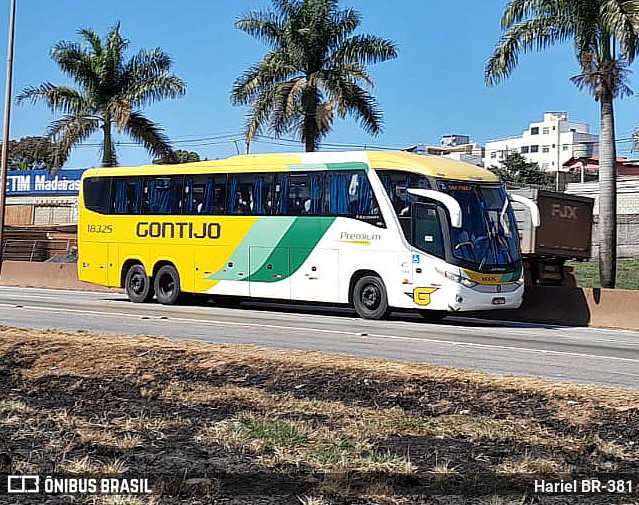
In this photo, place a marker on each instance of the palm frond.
(112, 89)
(534, 34)
(365, 49)
(351, 99)
(56, 98)
(70, 131)
(262, 109)
(147, 64)
(264, 26)
(76, 63)
(599, 78)
(311, 46)
(518, 11)
(149, 134)
(93, 39)
(344, 23)
(621, 20)
(142, 93)
(259, 77)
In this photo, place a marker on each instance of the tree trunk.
(607, 195)
(309, 139)
(108, 160)
(309, 106)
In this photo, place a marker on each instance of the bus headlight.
(464, 281)
(467, 282)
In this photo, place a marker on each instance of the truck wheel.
(369, 298)
(138, 285)
(167, 285)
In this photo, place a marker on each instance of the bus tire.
(369, 298)
(432, 316)
(138, 285)
(167, 285)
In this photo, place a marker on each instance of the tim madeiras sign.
(41, 182)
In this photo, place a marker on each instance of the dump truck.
(564, 234)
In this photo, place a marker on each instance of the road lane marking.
(338, 332)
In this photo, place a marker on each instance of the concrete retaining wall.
(605, 308)
(613, 308)
(45, 275)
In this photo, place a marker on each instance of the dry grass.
(130, 355)
(124, 500)
(84, 403)
(528, 464)
(9, 407)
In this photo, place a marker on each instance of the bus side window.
(204, 194)
(263, 191)
(298, 194)
(338, 188)
(281, 193)
(97, 194)
(395, 183)
(241, 198)
(127, 195)
(317, 194)
(350, 194)
(162, 195)
(219, 194)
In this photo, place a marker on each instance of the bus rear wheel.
(167, 285)
(138, 285)
(369, 298)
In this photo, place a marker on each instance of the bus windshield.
(488, 238)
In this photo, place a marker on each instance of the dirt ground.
(242, 425)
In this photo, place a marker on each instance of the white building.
(549, 143)
(456, 147)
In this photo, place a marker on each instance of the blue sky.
(435, 86)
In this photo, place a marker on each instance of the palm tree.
(606, 41)
(315, 68)
(111, 92)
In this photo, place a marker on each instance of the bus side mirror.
(452, 206)
(532, 207)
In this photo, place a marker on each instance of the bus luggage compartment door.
(269, 273)
(315, 275)
(93, 263)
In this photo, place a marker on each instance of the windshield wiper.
(493, 233)
(502, 218)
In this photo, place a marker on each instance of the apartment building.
(456, 147)
(549, 143)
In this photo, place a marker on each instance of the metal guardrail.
(34, 249)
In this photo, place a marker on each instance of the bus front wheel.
(369, 298)
(167, 285)
(138, 285)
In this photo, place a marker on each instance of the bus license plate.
(500, 300)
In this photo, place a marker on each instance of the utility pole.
(4, 165)
(558, 153)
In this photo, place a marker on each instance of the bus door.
(270, 273)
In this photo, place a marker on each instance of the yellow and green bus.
(379, 231)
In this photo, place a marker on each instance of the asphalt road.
(580, 355)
